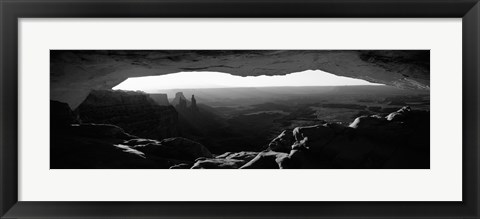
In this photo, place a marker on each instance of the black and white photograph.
(239, 109)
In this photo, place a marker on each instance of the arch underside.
(74, 73)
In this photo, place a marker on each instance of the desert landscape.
(267, 127)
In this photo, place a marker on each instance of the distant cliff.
(179, 101)
(135, 112)
(183, 105)
(160, 99)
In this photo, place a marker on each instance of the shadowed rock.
(61, 115)
(176, 148)
(135, 112)
(283, 142)
(100, 130)
(228, 160)
(401, 140)
(160, 99)
(398, 140)
(243, 155)
(266, 160)
(218, 163)
(368, 122)
(400, 114)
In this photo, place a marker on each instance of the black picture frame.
(12, 10)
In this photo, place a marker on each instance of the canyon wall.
(135, 112)
(160, 99)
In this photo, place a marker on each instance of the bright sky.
(189, 80)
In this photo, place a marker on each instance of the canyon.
(129, 130)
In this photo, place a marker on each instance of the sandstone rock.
(301, 159)
(368, 122)
(127, 149)
(336, 127)
(140, 141)
(317, 136)
(300, 145)
(243, 155)
(400, 114)
(180, 101)
(373, 142)
(193, 105)
(401, 140)
(218, 163)
(88, 147)
(175, 148)
(283, 142)
(135, 112)
(181, 166)
(160, 99)
(266, 160)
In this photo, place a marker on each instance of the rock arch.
(75, 72)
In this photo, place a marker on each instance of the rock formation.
(175, 148)
(193, 104)
(398, 140)
(105, 69)
(135, 112)
(228, 160)
(180, 102)
(283, 142)
(160, 99)
(61, 115)
(102, 146)
(266, 160)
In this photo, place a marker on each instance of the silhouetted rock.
(300, 159)
(180, 102)
(90, 146)
(193, 104)
(108, 147)
(401, 140)
(135, 112)
(61, 115)
(160, 99)
(398, 140)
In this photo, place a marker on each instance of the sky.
(199, 80)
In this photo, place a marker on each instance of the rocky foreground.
(398, 140)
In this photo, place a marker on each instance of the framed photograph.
(239, 109)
